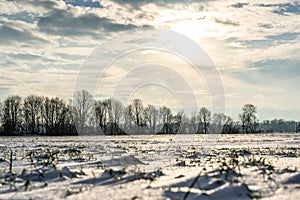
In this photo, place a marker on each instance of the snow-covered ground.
(154, 167)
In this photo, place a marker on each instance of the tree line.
(39, 115)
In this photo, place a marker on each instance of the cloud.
(279, 68)
(24, 56)
(67, 24)
(271, 41)
(284, 36)
(226, 22)
(239, 5)
(70, 56)
(284, 8)
(47, 4)
(160, 3)
(10, 34)
(39, 8)
(22, 16)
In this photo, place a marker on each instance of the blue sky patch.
(85, 3)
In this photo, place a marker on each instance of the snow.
(154, 167)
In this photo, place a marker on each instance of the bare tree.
(1, 118)
(204, 118)
(151, 117)
(117, 110)
(165, 114)
(82, 108)
(100, 115)
(137, 109)
(38, 115)
(228, 126)
(56, 116)
(221, 123)
(166, 117)
(177, 122)
(32, 111)
(12, 114)
(249, 119)
(69, 124)
(193, 124)
(109, 114)
(128, 119)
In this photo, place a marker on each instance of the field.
(155, 167)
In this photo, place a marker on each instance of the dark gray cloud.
(284, 8)
(239, 5)
(9, 34)
(227, 22)
(266, 25)
(269, 41)
(21, 16)
(65, 23)
(41, 4)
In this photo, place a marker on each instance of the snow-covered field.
(155, 167)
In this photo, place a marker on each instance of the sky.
(253, 45)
